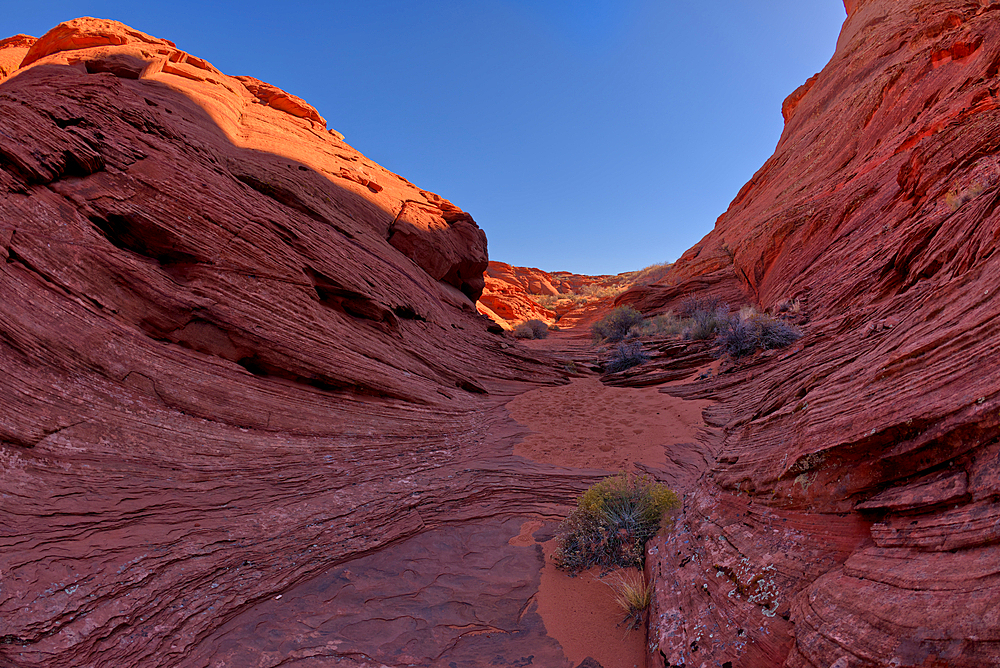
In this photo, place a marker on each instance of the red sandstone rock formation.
(233, 351)
(12, 52)
(851, 515)
(510, 293)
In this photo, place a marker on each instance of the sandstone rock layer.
(233, 352)
(850, 516)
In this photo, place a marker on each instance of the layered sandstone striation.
(233, 352)
(850, 516)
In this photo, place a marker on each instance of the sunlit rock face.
(851, 516)
(233, 350)
(511, 292)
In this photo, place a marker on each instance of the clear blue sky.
(582, 135)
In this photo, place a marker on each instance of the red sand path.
(587, 425)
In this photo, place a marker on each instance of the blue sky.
(586, 136)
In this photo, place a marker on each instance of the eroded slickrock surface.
(233, 353)
(851, 514)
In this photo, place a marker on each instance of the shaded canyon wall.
(852, 514)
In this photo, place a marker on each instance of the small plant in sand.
(616, 324)
(612, 522)
(626, 355)
(632, 594)
(531, 329)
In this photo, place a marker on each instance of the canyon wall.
(852, 514)
(233, 351)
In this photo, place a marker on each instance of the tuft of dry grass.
(633, 594)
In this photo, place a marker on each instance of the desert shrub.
(531, 329)
(538, 328)
(666, 323)
(595, 291)
(692, 305)
(547, 302)
(626, 355)
(523, 331)
(616, 324)
(554, 327)
(633, 595)
(705, 324)
(612, 522)
(744, 336)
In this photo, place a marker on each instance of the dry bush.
(531, 329)
(523, 331)
(651, 274)
(706, 324)
(663, 324)
(742, 337)
(626, 355)
(547, 302)
(595, 291)
(790, 306)
(692, 305)
(616, 324)
(539, 328)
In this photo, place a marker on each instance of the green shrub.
(744, 336)
(612, 522)
(616, 324)
(626, 355)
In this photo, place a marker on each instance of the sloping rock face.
(507, 294)
(851, 516)
(233, 351)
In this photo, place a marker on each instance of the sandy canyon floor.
(486, 591)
